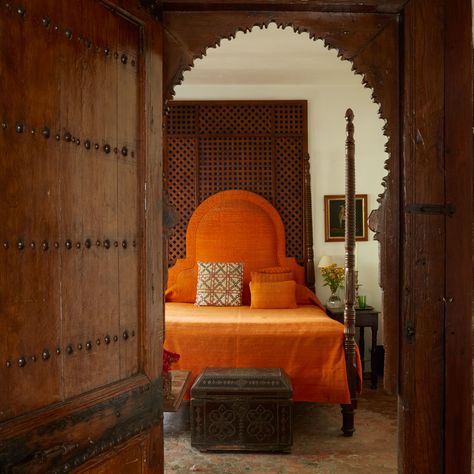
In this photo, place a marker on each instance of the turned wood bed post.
(308, 226)
(349, 305)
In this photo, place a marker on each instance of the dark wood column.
(435, 380)
(458, 182)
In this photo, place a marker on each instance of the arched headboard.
(231, 226)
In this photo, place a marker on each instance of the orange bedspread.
(305, 342)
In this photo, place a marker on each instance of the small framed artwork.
(334, 217)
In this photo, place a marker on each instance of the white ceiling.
(271, 56)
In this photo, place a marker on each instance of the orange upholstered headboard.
(231, 226)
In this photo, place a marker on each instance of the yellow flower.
(333, 277)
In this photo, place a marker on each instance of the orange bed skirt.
(304, 341)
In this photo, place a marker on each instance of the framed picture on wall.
(334, 217)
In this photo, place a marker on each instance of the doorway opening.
(278, 64)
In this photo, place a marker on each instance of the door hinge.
(426, 208)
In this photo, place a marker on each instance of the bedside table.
(368, 317)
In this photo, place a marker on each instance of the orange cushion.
(272, 274)
(273, 295)
(273, 270)
(184, 288)
(305, 296)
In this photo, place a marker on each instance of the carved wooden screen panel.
(70, 202)
(258, 146)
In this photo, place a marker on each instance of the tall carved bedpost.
(308, 226)
(349, 307)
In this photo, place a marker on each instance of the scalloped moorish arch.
(370, 43)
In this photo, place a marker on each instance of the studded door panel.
(70, 201)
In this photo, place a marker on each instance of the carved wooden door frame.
(425, 271)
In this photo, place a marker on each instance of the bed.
(317, 352)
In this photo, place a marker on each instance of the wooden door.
(80, 234)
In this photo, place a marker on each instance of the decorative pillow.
(272, 274)
(219, 284)
(304, 296)
(273, 294)
(184, 288)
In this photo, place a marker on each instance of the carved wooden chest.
(242, 409)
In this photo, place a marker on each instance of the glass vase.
(334, 302)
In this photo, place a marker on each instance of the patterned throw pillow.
(219, 284)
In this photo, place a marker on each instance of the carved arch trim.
(369, 41)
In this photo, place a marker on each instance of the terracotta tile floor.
(319, 446)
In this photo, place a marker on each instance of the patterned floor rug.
(319, 446)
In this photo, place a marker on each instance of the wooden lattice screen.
(258, 146)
